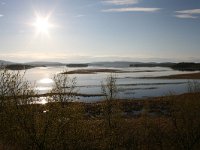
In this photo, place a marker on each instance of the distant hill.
(3, 62)
(117, 64)
(44, 63)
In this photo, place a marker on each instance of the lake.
(130, 84)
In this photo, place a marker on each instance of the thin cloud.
(190, 13)
(1, 15)
(132, 9)
(121, 2)
(185, 16)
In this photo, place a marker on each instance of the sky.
(100, 30)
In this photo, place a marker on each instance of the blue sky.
(95, 30)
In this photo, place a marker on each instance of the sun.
(42, 24)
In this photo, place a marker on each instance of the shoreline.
(177, 76)
(133, 108)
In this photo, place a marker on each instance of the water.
(129, 84)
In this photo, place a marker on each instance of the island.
(20, 67)
(77, 65)
(186, 66)
(93, 71)
(182, 66)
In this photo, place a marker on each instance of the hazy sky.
(93, 30)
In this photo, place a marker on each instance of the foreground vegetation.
(164, 123)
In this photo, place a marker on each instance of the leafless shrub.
(109, 87)
(14, 89)
(64, 88)
(193, 86)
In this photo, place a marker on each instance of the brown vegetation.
(182, 76)
(92, 71)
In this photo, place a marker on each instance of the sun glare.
(42, 24)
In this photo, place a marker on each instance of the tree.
(17, 115)
(68, 116)
(14, 89)
(109, 87)
(64, 88)
(109, 90)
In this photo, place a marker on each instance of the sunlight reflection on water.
(42, 100)
(46, 81)
(41, 88)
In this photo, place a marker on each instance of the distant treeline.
(183, 66)
(187, 66)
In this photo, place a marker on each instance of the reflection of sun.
(43, 101)
(42, 24)
(46, 81)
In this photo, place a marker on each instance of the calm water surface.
(129, 84)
